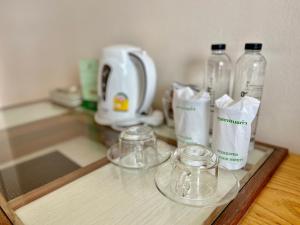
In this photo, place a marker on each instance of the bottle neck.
(252, 51)
(218, 52)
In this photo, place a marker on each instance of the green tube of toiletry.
(88, 79)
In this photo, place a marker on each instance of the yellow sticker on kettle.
(121, 102)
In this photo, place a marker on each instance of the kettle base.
(122, 123)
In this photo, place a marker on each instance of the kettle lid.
(118, 48)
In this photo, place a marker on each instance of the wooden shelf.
(279, 201)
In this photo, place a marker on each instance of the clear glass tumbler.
(138, 146)
(195, 172)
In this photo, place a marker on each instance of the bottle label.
(253, 91)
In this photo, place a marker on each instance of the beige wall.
(41, 42)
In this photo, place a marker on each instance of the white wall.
(41, 42)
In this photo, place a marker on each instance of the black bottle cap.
(253, 46)
(218, 46)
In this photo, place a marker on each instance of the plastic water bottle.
(218, 76)
(249, 78)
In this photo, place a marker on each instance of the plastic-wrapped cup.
(138, 148)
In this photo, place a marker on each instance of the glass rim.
(138, 141)
(137, 133)
(212, 155)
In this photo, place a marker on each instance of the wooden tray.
(24, 138)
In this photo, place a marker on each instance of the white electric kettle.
(126, 87)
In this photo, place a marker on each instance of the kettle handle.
(150, 79)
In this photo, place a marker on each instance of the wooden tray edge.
(7, 215)
(239, 206)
